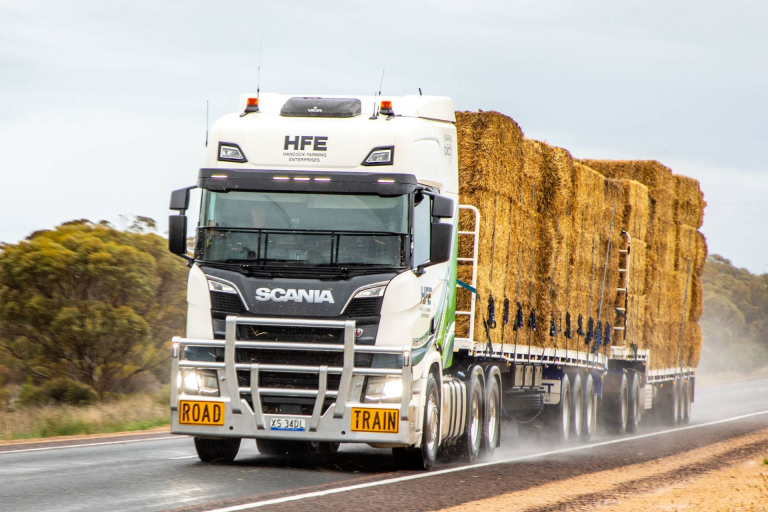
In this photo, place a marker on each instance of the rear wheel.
(635, 407)
(424, 457)
(468, 445)
(577, 408)
(589, 413)
(492, 432)
(617, 408)
(217, 450)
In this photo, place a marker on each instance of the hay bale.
(552, 221)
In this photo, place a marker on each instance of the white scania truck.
(322, 298)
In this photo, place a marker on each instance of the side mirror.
(441, 241)
(442, 207)
(180, 198)
(177, 234)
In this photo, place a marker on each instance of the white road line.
(389, 481)
(82, 445)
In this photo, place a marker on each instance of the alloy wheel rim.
(432, 418)
(475, 422)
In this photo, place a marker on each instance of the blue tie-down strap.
(468, 287)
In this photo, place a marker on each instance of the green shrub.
(61, 390)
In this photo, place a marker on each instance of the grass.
(133, 413)
(765, 461)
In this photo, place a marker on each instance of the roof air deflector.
(321, 107)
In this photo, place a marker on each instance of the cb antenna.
(258, 68)
(206, 123)
(375, 112)
(382, 80)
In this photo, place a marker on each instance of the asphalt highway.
(152, 472)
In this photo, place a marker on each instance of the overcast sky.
(102, 104)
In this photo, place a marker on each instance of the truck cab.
(322, 284)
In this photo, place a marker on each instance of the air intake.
(321, 107)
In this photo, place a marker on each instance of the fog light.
(229, 152)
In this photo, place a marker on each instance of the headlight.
(383, 389)
(216, 286)
(198, 382)
(376, 291)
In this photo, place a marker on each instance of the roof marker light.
(322, 179)
(218, 175)
(300, 179)
(281, 178)
(380, 156)
(386, 181)
(231, 152)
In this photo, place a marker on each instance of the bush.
(62, 391)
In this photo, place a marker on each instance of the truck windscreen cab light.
(380, 156)
(229, 152)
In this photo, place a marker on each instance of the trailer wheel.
(617, 409)
(468, 445)
(577, 407)
(492, 431)
(424, 457)
(589, 413)
(557, 418)
(687, 397)
(669, 403)
(635, 411)
(217, 450)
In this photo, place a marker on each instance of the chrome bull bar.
(347, 371)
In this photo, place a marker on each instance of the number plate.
(386, 421)
(289, 423)
(201, 413)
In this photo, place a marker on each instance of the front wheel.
(424, 458)
(217, 450)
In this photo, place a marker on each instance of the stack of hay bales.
(545, 224)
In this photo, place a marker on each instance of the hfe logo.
(300, 142)
(292, 294)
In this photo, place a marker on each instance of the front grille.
(227, 302)
(296, 380)
(364, 307)
(299, 358)
(290, 333)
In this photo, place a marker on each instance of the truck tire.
(669, 404)
(589, 411)
(687, 398)
(424, 458)
(492, 430)
(468, 445)
(635, 407)
(560, 424)
(321, 448)
(617, 409)
(217, 450)
(577, 408)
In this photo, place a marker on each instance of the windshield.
(300, 228)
